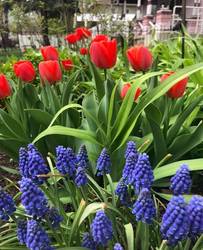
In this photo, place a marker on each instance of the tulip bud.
(72, 38)
(50, 71)
(49, 53)
(24, 70)
(67, 64)
(83, 51)
(5, 88)
(125, 89)
(83, 32)
(103, 54)
(178, 89)
(140, 58)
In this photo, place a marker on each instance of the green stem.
(187, 245)
(69, 189)
(112, 190)
(163, 245)
(137, 238)
(199, 243)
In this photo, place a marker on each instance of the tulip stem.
(105, 74)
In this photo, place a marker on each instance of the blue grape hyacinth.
(142, 175)
(32, 164)
(37, 238)
(122, 192)
(54, 217)
(88, 241)
(117, 246)
(101, 228)
(103, 163)
(80, 177)
(175, 223)
(131, 148)
(7, 205)
(66, 161)
(32, 198)
(144, 207)
(181, 181)
(82, 155)
(22, 231)
(195, 214)
(129, 167)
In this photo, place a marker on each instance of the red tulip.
(140, 58)
(178, 89)
(83, 51)
(125, 89)
(67, 64)
(49, 53)
(5, 88)
(100, 37)
(24, 70)
(72, 38)
(103, 54)
(83, 32)
(50, 71)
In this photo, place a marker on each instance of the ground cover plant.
(137, 115)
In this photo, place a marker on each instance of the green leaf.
(9, 170)
(40, 116)
(72, 248)
(60, 130)
(169, 196)
(91, 208)
(189, 141)
(170, 169)
(130, 236)
(181, 118)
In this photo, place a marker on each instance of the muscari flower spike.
(103, 163)
(54, 217)
(195, 214)
(181, 181)
(32, 164)
(144, 207)
(131, 148)
(37, 238)
(32, 198)
(101, 228)
(88, 241)
(66, 161)
(7, 205)
(117, 246)
(142, 175)
(80, 177)
(22, 231)
(175, 223)
(82, 155)
(122, 192)
(129, 167)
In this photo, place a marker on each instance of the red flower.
(83, 32)
(140, 58)
(24, 70)
(50, 71)
(178, 89)
(72, 38)
(100, 37)
(103, 54)
(5, 88)
(125, 89)
(67, 64)
(49, 53)
(83, 51)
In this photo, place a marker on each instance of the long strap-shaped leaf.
(152, 96)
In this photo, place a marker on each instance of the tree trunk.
(70, 20)
(5, 33)
(45, 28)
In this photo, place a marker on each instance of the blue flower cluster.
(81, 177)
(101, 228)
(144, 208)
(122, 192)
(82, 155)
(7, 205)
(88, 241)
(32, 198)
(54, 217)
(103, 163)
(175, 223)
(22, 231)
(118, 246)
(32, 164)
(131, 148)
(181, 181)
(37, 238)
(129, 167)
